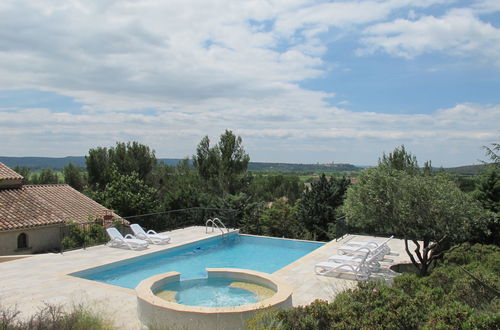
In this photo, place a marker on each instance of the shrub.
(483, 321)
(54, 317)
(450, 316)
(449, 298)
(78, 235)
(265, 320)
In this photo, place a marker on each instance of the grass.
(54, 317)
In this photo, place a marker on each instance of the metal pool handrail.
(214, 222)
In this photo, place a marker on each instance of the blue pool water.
(234, 251)
(210, 292)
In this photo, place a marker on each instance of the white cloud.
(326, 134)
(199, 67)
(126, 54)
(459, 32)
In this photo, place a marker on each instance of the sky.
(299, 81)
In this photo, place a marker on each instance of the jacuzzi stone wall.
(153, 310)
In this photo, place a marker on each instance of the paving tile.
(29, 283)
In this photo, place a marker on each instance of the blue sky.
(299, 81)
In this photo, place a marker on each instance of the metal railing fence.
(82, 235)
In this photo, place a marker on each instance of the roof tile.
(40, 205)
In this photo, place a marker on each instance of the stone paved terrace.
(30, 282)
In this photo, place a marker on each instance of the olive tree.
(430, 211)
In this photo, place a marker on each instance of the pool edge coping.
(284, 292)
(67, 274)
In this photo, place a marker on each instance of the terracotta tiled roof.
(8, 174)
(19, 208)
(39, 205)
(8, 177)
(75, 205)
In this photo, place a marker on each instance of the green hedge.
(449, 298)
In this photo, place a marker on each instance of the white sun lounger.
(129, 241)
(368, 243)
(352, 248)
(372, 260)
(360, 269)
(150, 236)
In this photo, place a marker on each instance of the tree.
(430, 211)
(127, 195)
(280, 220)
(207, 162)
(24, 171)
(46, 176)
(401, 160)
(73, 176)
(318, 206)
(222, 167)
(233, 161)
(271, 187)
(178, 186)
(98, 168)
(124, 157)
(492, 153)
(488, 190)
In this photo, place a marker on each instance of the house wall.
(39, 239)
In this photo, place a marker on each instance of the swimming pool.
(231, 251)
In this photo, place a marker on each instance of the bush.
(53, 317)
(451, 316)
(449, 298)
(78, 235)
(483, 321)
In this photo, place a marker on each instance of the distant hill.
(38, 163)
(287, 167)
(466, 170)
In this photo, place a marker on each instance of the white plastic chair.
(150, 236)
(372, 259)
(354, 247)
(360, 269)
(129, 241)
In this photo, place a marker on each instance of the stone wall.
(40, 239)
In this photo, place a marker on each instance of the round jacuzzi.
(226, 299)
(214, 292)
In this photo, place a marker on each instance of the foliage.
(276, 168)
(430, 209)
(465, 183)
(124, 158)
(488, 189)
(127, 195)
(270, 187)
(280, 220)
(80, 235)
(46, 176)
(318, 207)
(250, 218)
(488, 194)
(54, 317)
(178, 187)
(73, 176)
(25, 172)
(222, 167)
(493, 153)
(447, 299)
(400, 160)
